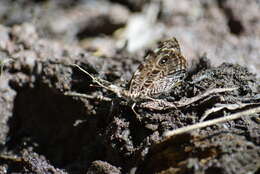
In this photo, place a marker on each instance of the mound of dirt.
(43, 130)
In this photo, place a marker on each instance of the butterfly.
(162, 70)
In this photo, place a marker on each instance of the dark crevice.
(235, 25)
(213, 170)
(101, 25)
(134, 6)
(44, 121)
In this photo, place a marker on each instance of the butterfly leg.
(136, 114)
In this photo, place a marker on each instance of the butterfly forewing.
(161, 70)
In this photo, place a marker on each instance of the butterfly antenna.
(103, 83)
(136, 114)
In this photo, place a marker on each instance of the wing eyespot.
(164, 60)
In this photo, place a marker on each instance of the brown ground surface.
(43, 131)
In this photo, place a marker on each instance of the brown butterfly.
(160, 72)
(162, 69)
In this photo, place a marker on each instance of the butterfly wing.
(161, 70)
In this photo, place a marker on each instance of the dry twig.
(211, 122)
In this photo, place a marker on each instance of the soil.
(44, 131)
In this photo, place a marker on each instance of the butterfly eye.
(164, 60)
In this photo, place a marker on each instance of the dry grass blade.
(229, 107)
(212, 122)
(209, 92)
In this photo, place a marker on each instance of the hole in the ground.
(214, 170)
(100, 25)
(235, 26)
(44, 120)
